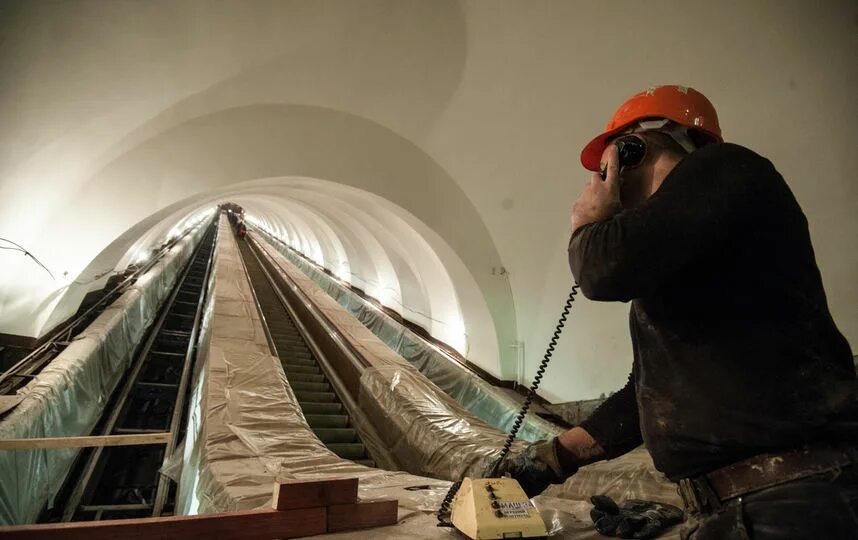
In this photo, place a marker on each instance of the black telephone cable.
(444, 510)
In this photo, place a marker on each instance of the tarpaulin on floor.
(631, 476)
(475, 394)
(67, 398)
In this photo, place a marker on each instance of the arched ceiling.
(364, 239)
(426, 147)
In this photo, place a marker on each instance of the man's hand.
(601, 198)
(536, 467)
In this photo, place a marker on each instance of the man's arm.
(633, 252)
(610, 431)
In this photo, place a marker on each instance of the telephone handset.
(631, 150)
(479, 511)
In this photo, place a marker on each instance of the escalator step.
(277, 325)
(305, 377)
(286, 332)
(292, 368)
(294, 352)
(336, 435)
(316, 397)
(296, 361)
(300, 345)
(294, 342)
(310, 386)
(318, 402)
(321, 409)
(286, 356)
(348, 450)
(285, 335)
(327, 420)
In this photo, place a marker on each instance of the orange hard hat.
(685, 106)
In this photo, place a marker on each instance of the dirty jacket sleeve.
(615, 425)
(636, 251)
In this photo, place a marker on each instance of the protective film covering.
(67, 398)
(631, 476)
(433, 435)
(246, 430)
(476, 395)
(429, 432)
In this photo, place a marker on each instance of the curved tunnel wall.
(466, 115)
(365, 240)
(258, 140)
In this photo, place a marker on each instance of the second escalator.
(319, 403)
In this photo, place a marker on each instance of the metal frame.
(163, 487)
(94, 460)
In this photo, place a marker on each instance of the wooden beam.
(84, 442)
(263, 524)
(362, 515)
(292, 494)
(7, 403)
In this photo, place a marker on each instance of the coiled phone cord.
(444, 510)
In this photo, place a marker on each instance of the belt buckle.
(689, 495)
(698, 495)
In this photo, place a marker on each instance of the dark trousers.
(818, 507)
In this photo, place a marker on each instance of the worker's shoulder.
(732, 164)
(729, 155)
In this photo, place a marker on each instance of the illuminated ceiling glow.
(362, 238)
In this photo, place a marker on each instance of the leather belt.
(707, 491)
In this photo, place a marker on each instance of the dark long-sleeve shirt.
(735, 351)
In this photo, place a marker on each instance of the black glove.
(632, 518)
(536, 467)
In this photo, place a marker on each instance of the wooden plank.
(292, 494)
(361, 515)
(265, 524)
(7, 403)
(84, 442)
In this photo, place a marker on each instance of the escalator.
(321, 407)
(125, 481)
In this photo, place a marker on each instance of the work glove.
(632, 518)
(536, 467)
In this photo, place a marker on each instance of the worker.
(742, 387)
(242, 230)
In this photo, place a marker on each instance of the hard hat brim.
(591, 156)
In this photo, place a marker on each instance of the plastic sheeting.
(246, 430)
(426, 430)
(476, 395)
(631, 476)
(66, 399)
(429, 432)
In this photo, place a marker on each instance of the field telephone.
(485, 508)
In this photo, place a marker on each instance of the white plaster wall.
(113, 111)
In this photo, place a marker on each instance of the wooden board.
(361, 515)
(83, 442)
(292, 494)
(263, 524)
(7, 403)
